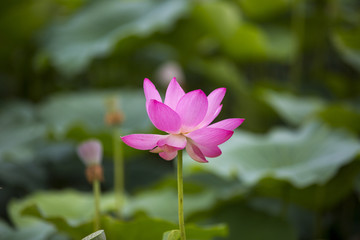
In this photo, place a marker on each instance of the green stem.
(118, 172)
(96, 190)
(180, 195)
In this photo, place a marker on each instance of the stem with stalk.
(180, 195)
(118, 172)
(96, 190)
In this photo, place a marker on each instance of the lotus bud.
(90, 153)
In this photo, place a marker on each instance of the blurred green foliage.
(291, 68)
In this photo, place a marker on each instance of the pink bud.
(90, 152)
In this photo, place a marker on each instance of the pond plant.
(74, 71)
(187, 118)
(90, 152)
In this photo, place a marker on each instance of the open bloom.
(186, 117)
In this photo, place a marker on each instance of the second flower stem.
(180, 195)
(96, 190)
(118, 172)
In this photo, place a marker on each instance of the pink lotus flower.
(186, 118)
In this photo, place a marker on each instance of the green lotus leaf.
(162, 203)
(314, 197)
(341, 116)
(76, 218)
(97, 28)
(311, 155)
(172, 235)
(295, 110)
(19, 131)
(39, 231)
(249, 42)
(347, 43)
(253, 43)
(219, 18)
(138, 229)
(201, 193)
(16, 142)
(56, 204)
